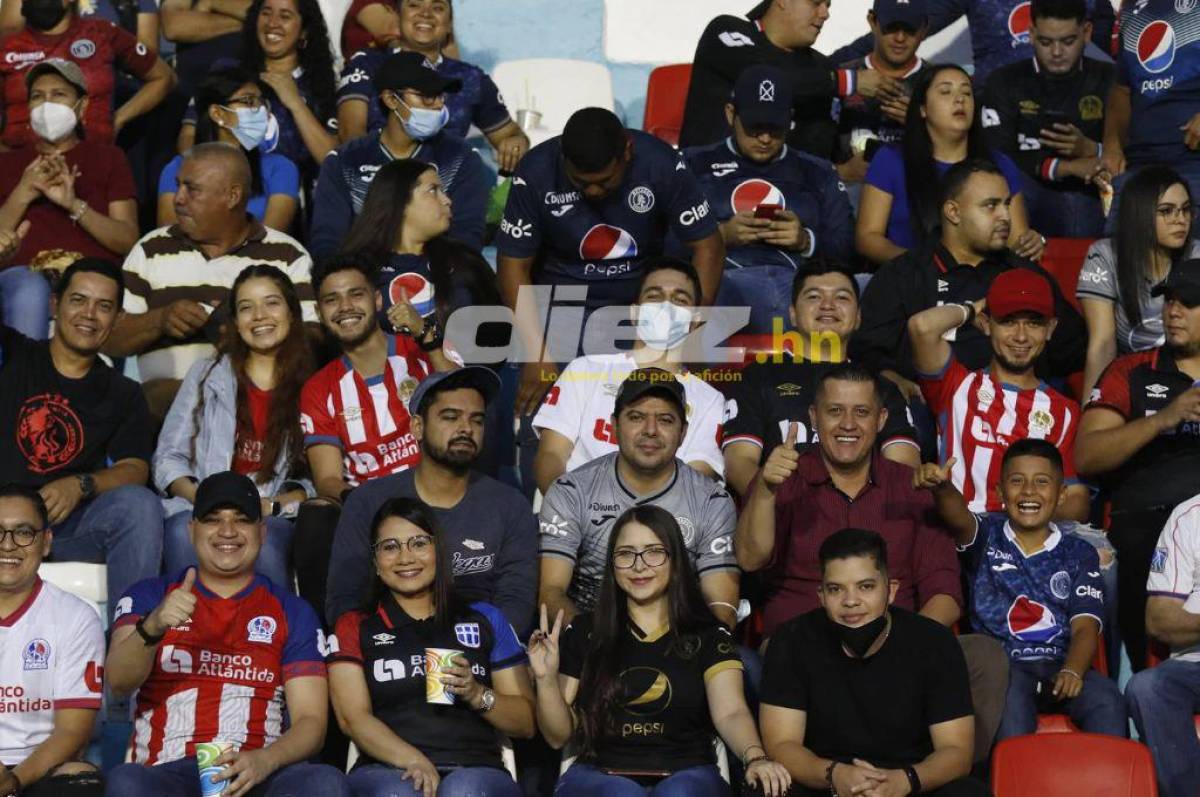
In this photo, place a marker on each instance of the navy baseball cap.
(910, 12)
(1183, 283)
(474, 376)
(409, 70)
(228, 490)
(762, 97)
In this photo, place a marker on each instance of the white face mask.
(663, 325)
(53, 121)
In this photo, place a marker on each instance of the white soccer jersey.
(1175, 566)
(580, 407)
(51, 657)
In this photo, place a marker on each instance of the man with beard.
(353, 411)
(980, 413)
(649, 420)
(1140, 434)
(488, 525)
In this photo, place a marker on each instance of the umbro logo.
(1156, 390)
(943, 286)
(384, 638)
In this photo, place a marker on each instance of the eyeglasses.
(1176, 211)
(392, 546)
(625, 559)
(22, 536)
(248, 101)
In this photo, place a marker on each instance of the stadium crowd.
(418, 466)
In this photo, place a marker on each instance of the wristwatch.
(87, 485)
(487, 701)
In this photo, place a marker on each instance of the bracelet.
(968, 313)
(80, 209)
(829, 777)
(749, 747)
(734, 609)
(1069, 671)
(756, 759)
(147, 639)
(914, 780)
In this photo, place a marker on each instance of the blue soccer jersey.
(1160, 63)
(1028, 602)
(602, 244)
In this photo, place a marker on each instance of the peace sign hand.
(931, 476)
(543, 647)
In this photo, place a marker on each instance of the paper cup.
(206, 754)
(436, 662)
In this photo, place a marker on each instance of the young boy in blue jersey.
(1037, 590)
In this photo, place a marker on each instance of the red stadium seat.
(666, 94)
(1063, 258)
(1061, 723)
(1072, 765)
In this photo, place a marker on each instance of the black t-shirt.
(769, 396)
(664, 721)
(52, 426)
(879, 708)
(390, 647)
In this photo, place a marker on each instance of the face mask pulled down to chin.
(859, 640)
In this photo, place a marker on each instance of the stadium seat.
(83, 579)
(1061, 723)
(666, 94)
(1072, 765)
(1063, 258)
(554, 87)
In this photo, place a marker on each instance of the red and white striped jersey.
(978, 417)
(51, 658)
(220, 676)
(366, 418)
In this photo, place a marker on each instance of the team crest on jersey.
(261, 629)
(36, 655)
(686, 528)
(1158, 562)
(468, 634)
(641, 199)
(1185, 6)
(406, 389)
(84, 48)
(1091, 107)
(1060, 585)
(1041, 422)
(985, 393)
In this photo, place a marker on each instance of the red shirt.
(104, 177)
(248, 449)
(354, 36)
(809, 508)
(96, 45)
(979, 417)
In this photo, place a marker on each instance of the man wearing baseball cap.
(781, 33)
(1140, 436)
(411, 95)
(776, 205)
(218, 652)
(981, 412)
(489, 524)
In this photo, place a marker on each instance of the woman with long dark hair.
(421, 734)
(240, 410)
(640, 686)
(900, 205)
(231, 108)
(1153, 234)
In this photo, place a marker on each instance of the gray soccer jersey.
(580, 508)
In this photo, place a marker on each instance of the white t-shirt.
(51, 657)
(1175, 565)
(580, 407)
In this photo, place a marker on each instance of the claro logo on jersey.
(1156, 52)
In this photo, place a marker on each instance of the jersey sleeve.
(344, 645)
(316, 419)
(134, 56)
(561, 521)
(491, 113)
(1087, 589)
(78, 676)
(784, 683)
(355, 82)
(703, 441)
(506, 648)
(971, 554)
(719, 652)
(938, 389)
(520, 233)
(333, 210)
(1112, 389)
(572, 647)
(302, 655)
(717, 521)
(689, 214)
(1098, 276)
(138, 601)
(1173, 564)
(562, 409)
(745, 419)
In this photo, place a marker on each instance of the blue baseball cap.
(473, 376)
(910, 12)
(762, 97)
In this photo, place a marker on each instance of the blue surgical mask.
(251, 126)
(423, 123)
(663, 325)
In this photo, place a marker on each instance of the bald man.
(177, 276)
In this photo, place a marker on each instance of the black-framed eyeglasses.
(1176, 211)
(22, 536)
(625, 559)
(392, 546)
(251, 101)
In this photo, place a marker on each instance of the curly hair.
(313, 50)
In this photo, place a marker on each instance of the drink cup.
(206, 754)
(436, 662)
(527, 119)
(1106, 196)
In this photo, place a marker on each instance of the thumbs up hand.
(176, 608)
(783, 461)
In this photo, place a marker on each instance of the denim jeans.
(1163, 702)
(380, 780)
(1099, 708)
(1064, 214)
(766, 290)
(181, 779)
(25, 301)
(582, 780)
(122, 528)
(272, 562)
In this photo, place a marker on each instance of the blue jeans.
(181, 779)
(766, 290)
(582, 780)
(1099, 708)
(25, 301)
(1064, 214)
(380, 780)
(122, 528)
(1163, 701)
(272, 560)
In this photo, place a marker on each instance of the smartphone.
(1049, 117)
(767, 211)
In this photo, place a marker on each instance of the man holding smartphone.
(1047, 114)
(776, 205)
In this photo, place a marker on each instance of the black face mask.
(43, 14)
(860, 639)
